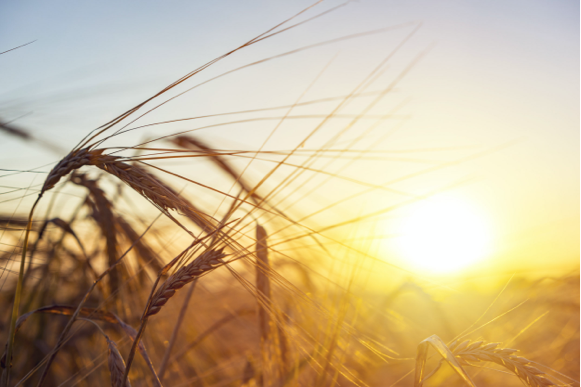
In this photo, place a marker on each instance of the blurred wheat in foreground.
(242, 283)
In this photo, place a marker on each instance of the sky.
(490, 74)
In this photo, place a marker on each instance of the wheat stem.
(17, 296)
(79, 307)
(144, 318)
(133, 349)
(174, 334)
(207, 261)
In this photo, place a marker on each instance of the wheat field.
(237, 219)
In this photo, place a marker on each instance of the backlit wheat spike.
(273, 342)
(263, 283)
(116, 365)
(72, 161)
(109, 222)
(205, 263)
(152, 188)
(467, 352)
(102, 213)
(137, 178)
(263, 297)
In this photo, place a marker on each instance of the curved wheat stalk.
(116, 365)
(147, 185)
(114, 360)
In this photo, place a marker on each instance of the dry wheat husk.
(136, 177)
(273, 340)
(204, 263)
(472, 352)
(74, 160)
(151, 188)
(102, 213)
(116, 365)
(263, 283)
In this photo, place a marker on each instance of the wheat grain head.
(116, 365)
(472, 352)
(204, 263)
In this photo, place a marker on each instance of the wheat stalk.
(136, 177)
(139, 180)
(114, 360)
(264, 301)
(17, 295)
(263, 283)
(102, 213)
(472, 352)
(206, 262)
(273, 342)
(151, 188)
(116, 365)
(174, 334)
(74, 160)
(73, 318)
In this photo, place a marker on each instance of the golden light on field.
(444, 234)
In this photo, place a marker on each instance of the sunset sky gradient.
(496, 73)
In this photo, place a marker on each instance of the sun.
(443, 234)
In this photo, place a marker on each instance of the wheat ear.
(73, 318)
(186, 274)
(72, 161)
(263, 297)
(114, 360)
(151, 188)
(116, 365)
(137, 178)
(102, 213)
(472, 352)
(204, 263)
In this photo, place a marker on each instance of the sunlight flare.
(444, 234)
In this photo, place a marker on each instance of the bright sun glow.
(444, 234)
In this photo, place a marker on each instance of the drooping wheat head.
(468, 352)
(204, 263)
(116, 365)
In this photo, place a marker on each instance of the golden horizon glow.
(444, 234)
